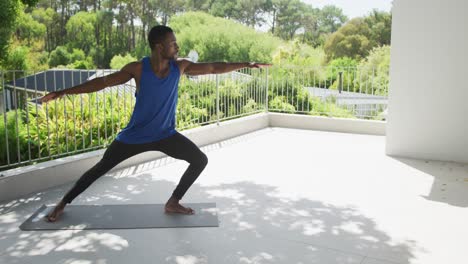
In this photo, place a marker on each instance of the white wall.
(428, 96)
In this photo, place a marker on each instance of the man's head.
(162, 41)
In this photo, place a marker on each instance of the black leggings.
(176, 146)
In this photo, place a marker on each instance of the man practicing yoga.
(152, 124)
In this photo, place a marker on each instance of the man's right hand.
(51, 96)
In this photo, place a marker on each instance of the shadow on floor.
(256, 226)
(450, 184)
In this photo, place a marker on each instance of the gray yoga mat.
(122, 216)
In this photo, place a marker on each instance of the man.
(152, 125)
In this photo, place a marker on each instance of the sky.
(354, 8)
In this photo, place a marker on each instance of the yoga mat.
(122, 216)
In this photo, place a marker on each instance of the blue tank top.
(153, 116)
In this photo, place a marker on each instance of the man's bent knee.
(203, 159)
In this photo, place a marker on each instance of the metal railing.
(31, 132)
(330, 91)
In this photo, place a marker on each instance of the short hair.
(157, 35)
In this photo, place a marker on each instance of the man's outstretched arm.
(192, 68)
(120, 77)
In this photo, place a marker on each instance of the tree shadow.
(257, 225)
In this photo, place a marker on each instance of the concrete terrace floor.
(283, 195)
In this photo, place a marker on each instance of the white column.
(428, 95)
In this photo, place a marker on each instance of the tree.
(331, 18)
(208, 36)
(147, 14)
(293, 17)
(198, 5)
(342, 67)
(131, 12)
(8, 13)
(349, 41)
(375, 71)
(250, 12)
(310, 24)
(223, 8)
(168, 8)
(288, 18)
(59, 56)
(16, 59)
(46, 17)
(81, 30)
(104, 31)
(359, 36)
(380, 25)
(118, 61)
(28, 29)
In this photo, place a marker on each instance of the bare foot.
(173, 206)
(55, 214)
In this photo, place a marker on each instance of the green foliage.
(378, 57)
(290, 96)
(80, 61)
(8, 14)
(224, 8)
(331, 19)
(41, 58)
(77, 55)
(208, 36)
(47, 17)
(29, 2)
(59, 56)
(99, 55)
(198, 5)
(81, 30)
(297, 19)
(349, 41)
(17, 59)
(105, 29)
(280, 103)
(9, 11)
(380, 25)
(188, 115)
(63, 125)
(168, 8)
(359, 36)
(299, 62)
(15, 132)
(344, 67)
(289, 18)
(295, 53)
(29, 29)
(141, 50)
(375, 71)
(370, 76)
(197, 101)
(328, 108)
(118, 62)
(82, 64)
(343, 62)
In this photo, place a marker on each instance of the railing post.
(217, 99)
(266, 91)
(340, 82)
(5, 109)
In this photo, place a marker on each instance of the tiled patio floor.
(284, 196)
